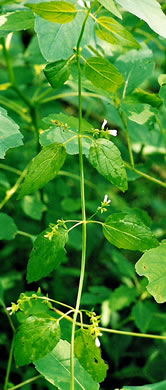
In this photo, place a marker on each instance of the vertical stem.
(9, 365)
(82, 189)
(124, 120)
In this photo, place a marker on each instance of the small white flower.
(103, 124)
(106, 200)
(88, 4)
(113, 132)
(81, 3)
(97, 342)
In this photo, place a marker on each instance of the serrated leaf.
(103, 74)
(43, 168)
(154, 386)
(129, 232)
(58, 33)
(46, 255)
(55, 367)
(152, 265)
(57, 73)
(10, 135)
(35, 337)
(110, 6)
(109, 30)
(8, 228)
(89, 355)
(122, 297)
(17, 21)
(55, 11)
(149, 11)
(106, 158)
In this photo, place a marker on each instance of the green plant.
(98, 65)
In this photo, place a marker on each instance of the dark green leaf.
(36, 337)
(89, 355)
(16, 21)
(55, 11)
(155, 386)
(141, 96)
(8, 228)
(142, 316)
(103, 74)
(129, 232)
(110, 6)
(152, 265)
(33, 207)
(106, 158)
(33, 306)
(113, 32)
(46, 255)
(149, 11)
(57, 73)
(122, 297)
(43, 168)
(55, 367)
(10, 135)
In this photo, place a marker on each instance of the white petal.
(97, 342)
(88, 4)
(103, 124)
(113, 132)
(106, 198)
(81, 3)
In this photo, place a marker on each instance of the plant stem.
(10, 169)
(124, 120)
(26, 382)
(9, 365)
(148, 177)
(82, 189)
(12, 190)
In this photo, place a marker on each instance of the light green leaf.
(67, 127)
(46, 255)
(16, 21)
(55, 367)
(57, 73)
(58, 33)
(129, 232)
(150, 11)
(162, 94)
(106, 158)
(154, 386)
(113, 32)
(152, 265)
(43, 168)
(141, 96)
(103, 74)
(10, 135)
(33, 306)
(55, 11)
(110, 6)
(122, 297)
(135, 66)
(33, 207)
(89, 355)
(35, 337)
(8, 228)
(139, 113)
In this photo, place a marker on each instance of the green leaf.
(113, 32)
(16, 21)
(89, 355)
(149, 11)
(33, 306)
(33, 207)
(43, 168)
(35, 337)
(110, 6)
(57, 73)
(55, 11)
(152, 265)
(46, 255)
(155, 386)
(142, 316)
(129, 232)
(124, 267)
(106, 158)
(103, 74)
(58, 33)
(122, 297)
(55, 367)
(8, 227)
(141, 96)
(135, 66)
(139, 113)
(162, 94)
(9, 133)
